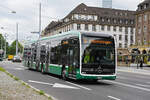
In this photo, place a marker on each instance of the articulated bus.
(75, 55)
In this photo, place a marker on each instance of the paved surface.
(128, 85)
(11, 89)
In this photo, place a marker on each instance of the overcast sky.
(27, 14)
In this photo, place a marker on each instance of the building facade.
(107, 3)
(143, 23)
(120, 23)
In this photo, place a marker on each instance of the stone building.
(143, 23)
(120, 23)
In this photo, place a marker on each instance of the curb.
(131, 71)
(26, 84)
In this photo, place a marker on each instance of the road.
(127, 86)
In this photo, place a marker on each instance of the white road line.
(19, 68)
(52, 77)
(79, 86)
(143, 85)
(22, 66)
(113, 98)
(31, 81)
(128, 85)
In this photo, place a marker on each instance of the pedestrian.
(141, 63)
(137, 60)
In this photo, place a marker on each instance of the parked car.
(17, 59)
(10, 57)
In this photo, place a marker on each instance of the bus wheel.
(95, 80)
(64, 74)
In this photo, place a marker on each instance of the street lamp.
(16, 38)
(14, 12)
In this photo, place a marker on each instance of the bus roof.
(72, 33)
(77, 33)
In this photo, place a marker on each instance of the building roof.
(145, 5)
(109, 12)
(105, 13)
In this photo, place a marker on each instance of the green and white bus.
(75, 55)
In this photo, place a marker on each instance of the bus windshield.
(98, 51)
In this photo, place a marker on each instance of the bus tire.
(95, 80)
(37, 66)
(64, 74)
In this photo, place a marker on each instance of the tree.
(12, 48)
(2, 43)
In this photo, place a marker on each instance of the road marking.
(113, 98)
(128, 85)
(55, 85)
(143, 85)
(79, 86)
(31, 81)
(145, 72)
(52, 77)
(19, 68)
(22, 66)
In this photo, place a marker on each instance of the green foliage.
(12, 48)
(41, 92)
(2, 69)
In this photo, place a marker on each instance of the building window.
(139, 19)
(115, 21)
(126, 21)
(79, 16)
(103, 20)
(121, 14)
(72, 26)
(108, 28)
(78, 26)
(120, 45)
(126, 45)
(131, 38)
(86, 17)
(145, 17)
(114, 28)
(94, 28)
(132, 22)
(131, 30)
(126, 38)
(102, 27)
(126, 30)
(86, 27)
(120, 29)
(120, 37)
(139, 30)
(120, 21)
(108, 19)
(145, 29)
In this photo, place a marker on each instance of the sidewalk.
(11, 88)
(133, 69)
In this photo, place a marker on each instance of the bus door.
(73, 59)
(47, 58)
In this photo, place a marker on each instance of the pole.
(16, 38)
(5, 46)
(39, 20)
(1, 42)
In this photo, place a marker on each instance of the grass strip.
(41, 92)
